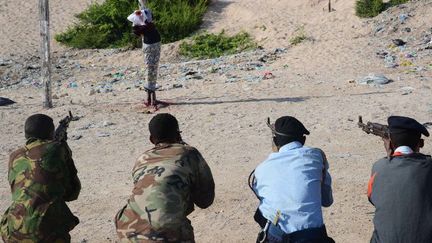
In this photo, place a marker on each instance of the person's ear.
(275, 141)
(52, 134)
(151, 139)
(179, 137)
(392, 147)
(303, 140)
(421, 143)
(275, 147)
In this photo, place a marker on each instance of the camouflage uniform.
(169, 179)
(42, 176)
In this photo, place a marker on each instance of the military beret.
(289, 126)
(400, 124)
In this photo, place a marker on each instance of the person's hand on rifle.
(388, 146)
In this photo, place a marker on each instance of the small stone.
(382, 53)
(406, 90)
(91, 92)
(374, 79)
(55, 97)
(231, 80)
(87, 126)
(5, 62)
(107, 123)
(32, 67)
(268, 75)
(194, 76)
(390, 61)
(403, 18)
(407, 29)
(398, 42)
(103, 134)
(379, 29)
(76, 137)
(427, 39)
(279, 50)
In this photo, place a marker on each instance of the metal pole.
(45, 52)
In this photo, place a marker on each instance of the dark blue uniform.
(401, 193)
(400, 187)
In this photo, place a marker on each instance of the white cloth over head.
(140, 17)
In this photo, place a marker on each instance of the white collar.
(404, 150)
(290, 146)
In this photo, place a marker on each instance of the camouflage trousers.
(50, 239)
(141, 239)
(131, 229)
(151, 59)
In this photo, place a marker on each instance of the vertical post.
(329, 6)
(45, 52)
(142, 3)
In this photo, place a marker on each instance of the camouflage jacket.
(42, 176)
(169, 179)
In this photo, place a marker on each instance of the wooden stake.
(329, 6)
(45, 52)
(142, 3)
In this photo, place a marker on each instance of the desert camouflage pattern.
(168, 180)
(42, 176)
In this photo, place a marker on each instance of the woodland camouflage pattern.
(42, 176)
(169, 179)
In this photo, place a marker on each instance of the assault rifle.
(379, 129)
(61, 131)
(374, 128)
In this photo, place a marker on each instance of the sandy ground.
(226, 121)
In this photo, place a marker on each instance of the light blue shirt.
(290, 181)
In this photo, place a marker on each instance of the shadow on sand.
(250, 100)
(214, 13)
(206, 101)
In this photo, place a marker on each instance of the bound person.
(144, 26)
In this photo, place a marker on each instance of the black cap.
(39, 126)
(164, 126)
(401, 124)
(289, 126)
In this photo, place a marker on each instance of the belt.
(270, 230)
(275, 234)
(310, 234)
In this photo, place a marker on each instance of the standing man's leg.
(151, 58)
